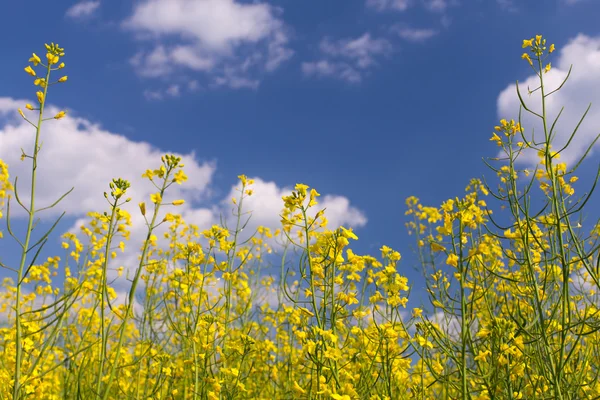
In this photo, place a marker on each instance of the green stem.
(103, 296)
(31, 212)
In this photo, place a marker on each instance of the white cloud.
(153, 94)
(173, 90)
(414, 34)
(348, 59)
(152, 64)
(383, 5)
(232, 78)
(266, 204)
(582, 88)
(338, 70)
(193, 86)
(436, 5)
(83, 9)
(229, 41)
(81, 154)
(362, 50)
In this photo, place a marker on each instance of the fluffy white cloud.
(173, 90)
(339, 70)
(266, 204)
(414, 34)
(228, 40)
(382, 5)
(436, 6)
(81, 154)
(83, 9)
(582, 88)
(348, 59)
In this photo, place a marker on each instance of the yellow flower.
(547, 67)
(143, 208)
(452, 260)
(423, 342)
(29, 106)
(40, 96)
(52, 58)
(437, 247)
(63, 79)
(525, 56)
(313, 194)
(35, 60)
(336, 396)
(180, 177)
(551, 49)
(178, 202)
(527, 43)
(61, 65)
(156, 198)
(30, 70)
(417, 312)
(496, 139)
(60, 115)
(21, 112)
(538, 39)
(483, 333)
(482, 355)
(298, 388)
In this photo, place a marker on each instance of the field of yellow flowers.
(513, 310)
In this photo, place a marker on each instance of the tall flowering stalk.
(53, 55)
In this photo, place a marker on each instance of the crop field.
(512, 314)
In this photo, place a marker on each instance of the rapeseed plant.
(201, 320)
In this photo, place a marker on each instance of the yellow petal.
(30, 70)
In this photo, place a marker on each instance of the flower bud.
(30, 70)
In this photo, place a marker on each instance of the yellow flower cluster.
(537, 47)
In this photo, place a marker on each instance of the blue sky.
(368, 101)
